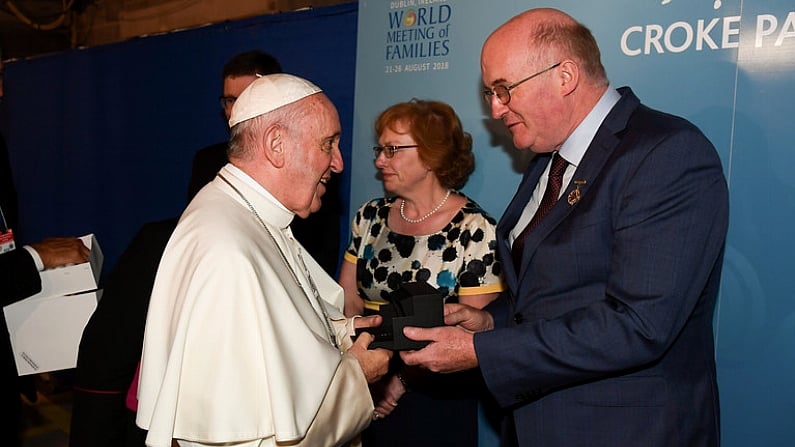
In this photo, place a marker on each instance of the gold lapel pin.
(574, 195)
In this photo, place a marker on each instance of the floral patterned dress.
(441, 409)
(458, 260)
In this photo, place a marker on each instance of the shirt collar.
(574, 147)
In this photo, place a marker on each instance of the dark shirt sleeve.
(111, 344)
(19, 277)
(8, 194)
(110, 348)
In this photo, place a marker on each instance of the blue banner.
(728, 66)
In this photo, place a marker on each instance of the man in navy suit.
(604, 337)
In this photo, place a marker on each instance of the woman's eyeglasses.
(389, 151)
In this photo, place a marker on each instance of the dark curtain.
(101, 139)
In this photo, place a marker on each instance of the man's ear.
(569, 76)
(273, 144)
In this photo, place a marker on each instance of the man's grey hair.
(247, 134)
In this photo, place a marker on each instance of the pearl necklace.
(438, 207)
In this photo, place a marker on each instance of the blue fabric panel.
(101, 139)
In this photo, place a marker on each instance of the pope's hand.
(368, 321)
(374, 362)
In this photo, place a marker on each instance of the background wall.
(101, 138)
(728, 66)
(36, 27)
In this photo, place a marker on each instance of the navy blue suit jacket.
(604, 337)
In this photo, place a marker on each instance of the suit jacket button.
(518, 318)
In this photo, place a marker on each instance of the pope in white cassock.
(245, 341)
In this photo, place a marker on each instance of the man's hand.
(374, 362)
(468, 317)
(60, 251)
(451, 349)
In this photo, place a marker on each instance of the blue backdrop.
(728, 66)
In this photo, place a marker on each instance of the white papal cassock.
(235, 349)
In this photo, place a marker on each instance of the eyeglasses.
(389, 151)
(227, 101)
(503, 92)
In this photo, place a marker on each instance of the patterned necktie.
(550, 197)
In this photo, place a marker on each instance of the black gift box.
(413, 304)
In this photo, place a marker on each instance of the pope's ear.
(273, 141)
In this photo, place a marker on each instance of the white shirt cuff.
(35, 256)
